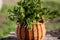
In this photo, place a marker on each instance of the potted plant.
(30, 17)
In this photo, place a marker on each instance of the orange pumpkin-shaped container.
(37, 32)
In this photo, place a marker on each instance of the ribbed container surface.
(37, 32)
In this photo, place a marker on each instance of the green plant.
(28, 11)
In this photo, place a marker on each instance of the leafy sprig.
(29, 11)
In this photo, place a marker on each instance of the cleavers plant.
(28, 11)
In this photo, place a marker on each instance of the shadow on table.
(8, 38)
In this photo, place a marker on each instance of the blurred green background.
(7, 26)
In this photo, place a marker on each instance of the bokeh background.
(7, 26)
